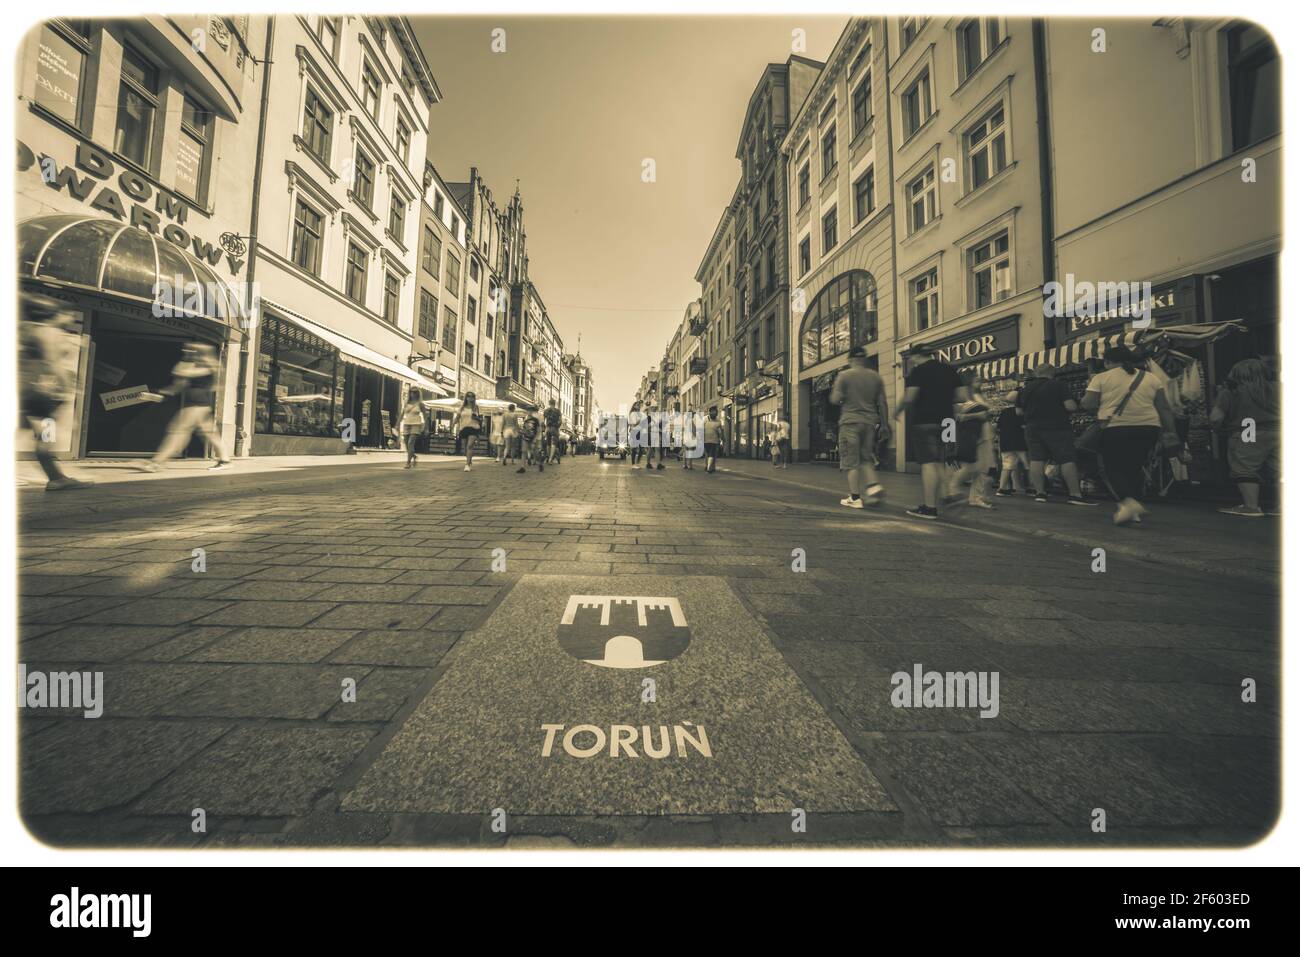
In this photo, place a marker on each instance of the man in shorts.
(860, 393)
(509, 435)
(1047, 406)
(712, 430)
(530, 437)
(552, 418)
(932, 387)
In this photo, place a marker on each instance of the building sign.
(614, 631)
(145, 206)
(58, 75)
(1002, 338)
(121, 398)
(1169, 303)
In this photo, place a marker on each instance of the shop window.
(61, 68)
(841, 316)
(354, 283)
(306, 250)
(317, 126)
(986, 147)
(428, 315)
(392, 297)
(990, 271)
(298, 381)
(922, 200)
(1254, 85)
(137, 109)
(431, 252)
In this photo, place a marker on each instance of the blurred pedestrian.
(509, 435)
(932, 387)
(1012, 448)
(1249, 408)
(469, 423)
(859, 391)
(713, 437)
(1047, 406)
(974, 446)
(47, 353)
(413, 426)
(194, 380)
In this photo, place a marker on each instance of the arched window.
(842, 316)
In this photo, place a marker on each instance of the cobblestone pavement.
(227, 689)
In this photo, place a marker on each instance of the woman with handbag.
(468, 424)
(1132, 412)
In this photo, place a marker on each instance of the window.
(830, 230)
(307, 238)
(487, 363)
(370, 89)
(1254, 85)
(986, 147)
(473, 268)
(805, 189)
(193, 151)
(328, 31)
(771, 269)
(842, 315)
(392, 297)
(453, 274)
(469, 353)
(437, 205)
(922, 200)
(771, 336)
(455, 226)
(488, 327)
(61, 68)
(431, 254)
(354, 281)
(403, 140)
(990, 271)
(861, 104)
(742, 364)
(863, 55)
(976, 39)
(448, 329)
(428, 327)
(805, 255)
(317, 126)
(925, 300)
(917, 104)
(908, 30)
(298, 382)
(397, 218)
(363, 180)
(137, 105)
(828, 151)
(864, 195)
(471, 310)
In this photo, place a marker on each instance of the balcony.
(699, 365)
(697, 326)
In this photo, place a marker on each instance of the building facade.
(337, 198)
(136, 142)
(840, 231)
(761, 337)
(442, 291)
(717, 309)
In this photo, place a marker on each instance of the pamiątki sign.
(1170, 303)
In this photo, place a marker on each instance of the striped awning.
(1071, 353)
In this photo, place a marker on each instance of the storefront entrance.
(374, 400)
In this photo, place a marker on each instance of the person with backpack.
(45, 380)
(1131, 410)
(530, 435)
(1047, 405)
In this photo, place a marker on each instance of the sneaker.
(407, 465)
(1244, 511)
(1127, 513)
(149, 467)
(851, 502)
(660, 466)
(467, 468)
(923, 511)
(1040, 496)
(980, 503)
(65, 483)
(1003, 493)
(1080, 500)
(219, 466)
(874, 494)
(521, 470)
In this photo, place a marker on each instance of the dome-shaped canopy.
(103, 255)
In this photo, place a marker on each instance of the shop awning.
(1058, 356)
(95, 254)
(354, 353)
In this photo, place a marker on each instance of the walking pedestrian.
(712, 431)
(1012, 448)
(859, 391)
(974, 447)
(468, 425)
(413, 427)
(530, 434)
(509, 435)
(1249, 408)
(1131, 409)
(551, 417)
(636, 432)
(932, 388)
(1047, 406)
(194, 380)
(46, 359)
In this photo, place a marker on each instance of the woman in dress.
(468, 424)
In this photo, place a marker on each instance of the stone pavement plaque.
(531, 717)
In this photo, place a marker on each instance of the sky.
(570, 110)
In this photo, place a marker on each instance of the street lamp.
(760, 365)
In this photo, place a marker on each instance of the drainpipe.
(245, 346)
(1045, 164)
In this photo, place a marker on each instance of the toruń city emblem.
(623, 632)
